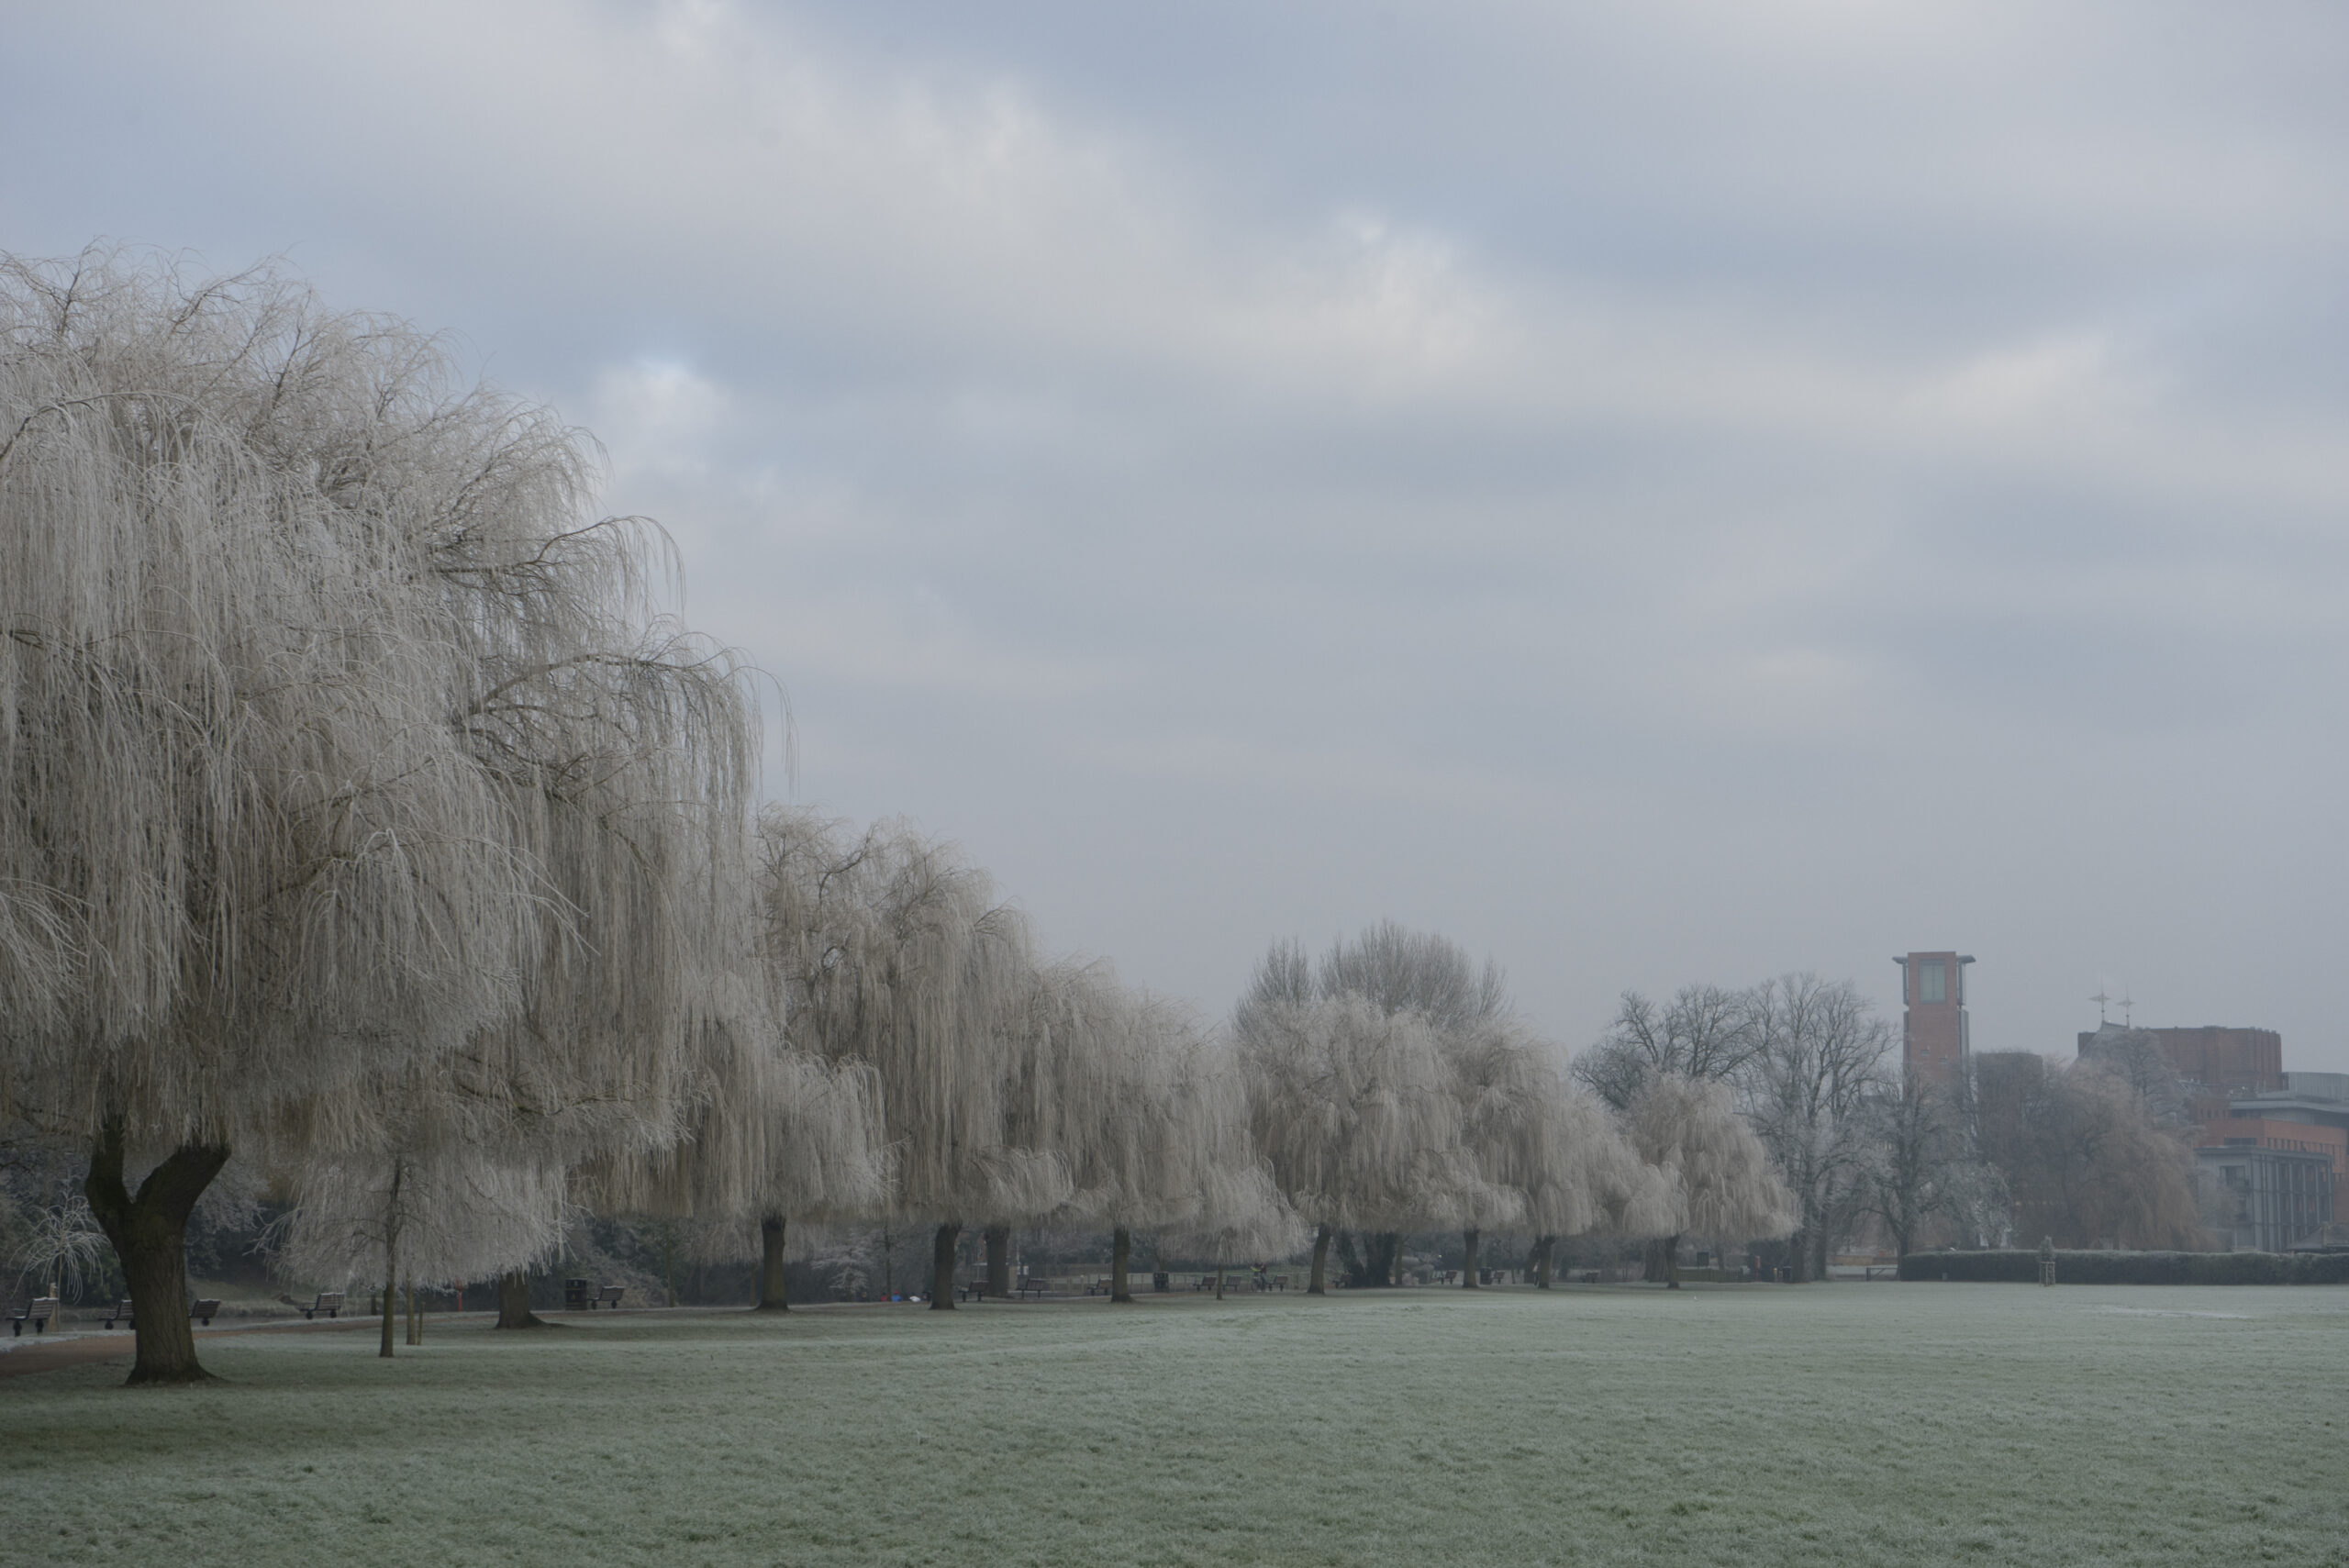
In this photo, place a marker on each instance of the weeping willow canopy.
(1719, 1178)
(893, 956)
(1392, 1088)
(363, 808)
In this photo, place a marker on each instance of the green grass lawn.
(1862, 1424)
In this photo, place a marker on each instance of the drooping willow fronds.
(1352, 1109)
(891, 955)
(1517, 1148)
(464, 1214)
(1234, 1210)
(1113, 1080)
(1721, 1179)
(778, 1132)
(250, 855)
(371, 819)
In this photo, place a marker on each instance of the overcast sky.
(1660, 493)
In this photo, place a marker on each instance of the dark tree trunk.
(149, 1237)
(1542, 1248)
(941, 1268)
(1321, 1279)
(1468, 1259)
(1798, 1250)
(1671, 1263)
(1373, 1266)
(514, 1302)
(391, 1313)
(999, 1243)
(1820, 1271)
(771, 1287)
(1219, 1279)
(1121, 1252)
(391, 1259)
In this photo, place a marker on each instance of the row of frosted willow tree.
(367, 824)
(1390, 1089)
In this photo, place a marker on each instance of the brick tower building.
(1934, 1044)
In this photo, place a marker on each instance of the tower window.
(1933, 981)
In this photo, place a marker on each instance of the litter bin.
(577, 1297)
(1161, 1281)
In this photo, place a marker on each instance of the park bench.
(1033, 1284)
(607, 1296)
(204, 1309)
(121, 1313)
(37, 1311)
(328, 1302)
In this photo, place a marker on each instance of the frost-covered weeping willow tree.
(1516, 1147)
(626, 747)
(894, 957)
(1234, 1212)
(364, 804)
(1720, 1177)
(1352, 1109)
(1547, 1158)
(778, 1135)
(1107, 1078)
(1486, 1061)
(622, 749)
(249, 861)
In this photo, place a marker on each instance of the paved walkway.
(50, 1351)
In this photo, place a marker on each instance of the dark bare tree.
(2085, 1159)
(1705, 1032)
(1918, 1167)
(1819, 1053)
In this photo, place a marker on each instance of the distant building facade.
(2214, 1061)
(1935, 1047)
(2272, 1147)
(2267, 1197)
(2309, 1110)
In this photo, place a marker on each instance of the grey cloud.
(1684, 491)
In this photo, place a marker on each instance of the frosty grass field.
(1832, 1424)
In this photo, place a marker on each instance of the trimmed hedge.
(2021, 1266)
